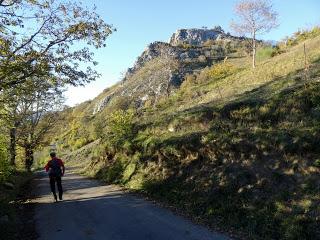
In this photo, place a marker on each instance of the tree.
(24, 111)
(44, 45)
(255, 17)
(38, 36)
(120, 127)
(37, 117)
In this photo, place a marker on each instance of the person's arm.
(63, 168)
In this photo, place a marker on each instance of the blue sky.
(140, 22)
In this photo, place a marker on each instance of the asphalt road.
(93, 211)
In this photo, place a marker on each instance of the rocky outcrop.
(168, 51)
(153, 50)
(102, 103)
(196, 37)
(159, 77)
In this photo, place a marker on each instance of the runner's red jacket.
(48, 164)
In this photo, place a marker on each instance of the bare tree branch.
(254, 17)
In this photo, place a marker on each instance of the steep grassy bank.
(234, 148)
(256, 168)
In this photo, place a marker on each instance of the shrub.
(113, 173)
(221, 70)
(266, 52)
(122, 102)
(120, 127)
(80, 142)
(317, 163)
(99, 126)
(301, 36)
(203, 76)
(188, 81)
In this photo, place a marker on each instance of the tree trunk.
(12, 147)
(254, 50)
(29, 156)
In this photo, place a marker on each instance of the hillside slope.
(234, 148)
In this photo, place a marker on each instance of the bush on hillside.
(221, 70)
(216, 72)
(301, 36)
(266, 52)
(189, 80)
(120, 127)
(121, 103)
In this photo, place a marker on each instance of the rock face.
(197, 37)
(168, 51)
(159, 70)
(162, 66)
(153, 50)
(103, 103)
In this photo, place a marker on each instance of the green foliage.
(31, 93)
(297, 38)
(121, 103)
(120, 127)
(99, 125)
(129, 171)
(113, 173)
(5, 168)
(317, 163)
(265, 53)
(216, 72)
(302, 35)
(221, 70)
(80, 142)
(59, 26)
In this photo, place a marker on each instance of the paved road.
(93, 211)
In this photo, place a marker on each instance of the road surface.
(94, 211)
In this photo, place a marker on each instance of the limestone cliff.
(196, 36)
(162, 67)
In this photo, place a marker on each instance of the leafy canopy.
(38, 37)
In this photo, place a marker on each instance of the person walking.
(56, 170)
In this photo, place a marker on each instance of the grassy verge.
(247, 164)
